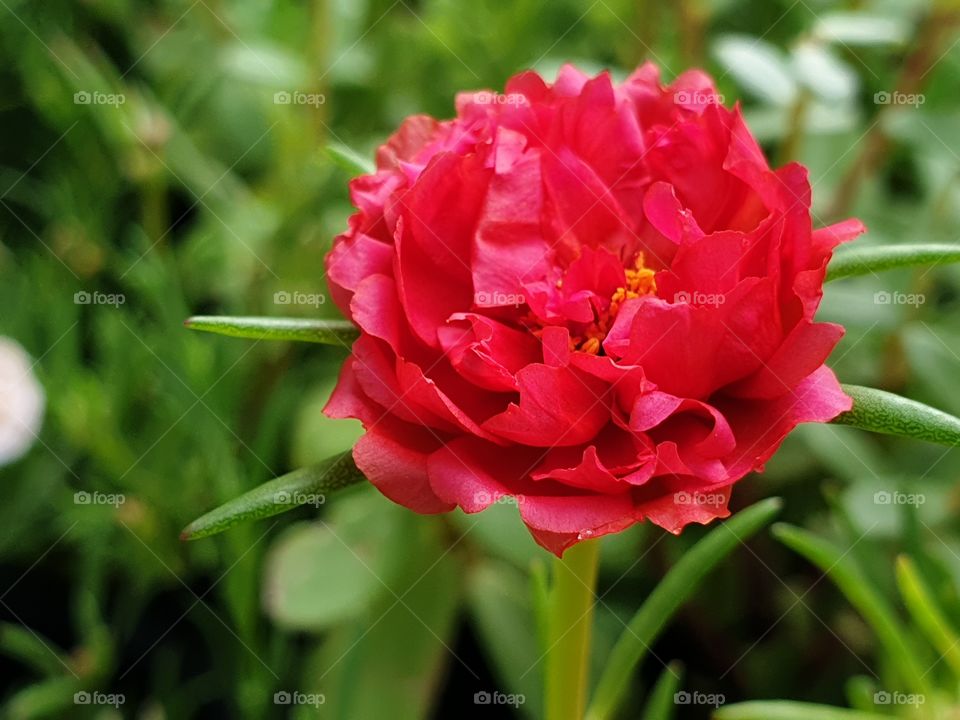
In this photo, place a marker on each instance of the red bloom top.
(597, 299)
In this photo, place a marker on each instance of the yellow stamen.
(640, 281)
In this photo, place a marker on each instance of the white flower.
(21, 401)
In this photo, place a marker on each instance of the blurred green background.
(146, 153)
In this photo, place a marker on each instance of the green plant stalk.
(569, 625)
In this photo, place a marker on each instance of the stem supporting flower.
(570, 623)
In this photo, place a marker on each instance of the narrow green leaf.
(47, 698)
(867, 260)
(29, 648)
(785, 710)
(927, 614)
(308, 485)
(675, 587)
(884, 412)
(871, 605)
(328, 332)
(348, 160)
(661, 705)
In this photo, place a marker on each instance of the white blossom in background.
(21, 401)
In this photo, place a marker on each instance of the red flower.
(595, 299)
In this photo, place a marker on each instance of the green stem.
(569, 623)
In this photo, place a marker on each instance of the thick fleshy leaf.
(309, 485)
(859, 591)
(328, 332)
(786, 710)
(890, 414)
(867, 260)
(677, 585)
(348, 160)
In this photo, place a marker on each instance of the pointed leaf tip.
(306, 486)
(348, 160)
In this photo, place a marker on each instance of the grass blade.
(661, 704)
(868, 260)
(927, 614)
(328, 332)
(863, 596)
(309, 485)
(675, 587)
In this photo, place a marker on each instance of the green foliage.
(202, 192)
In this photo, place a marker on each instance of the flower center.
(640, 281)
